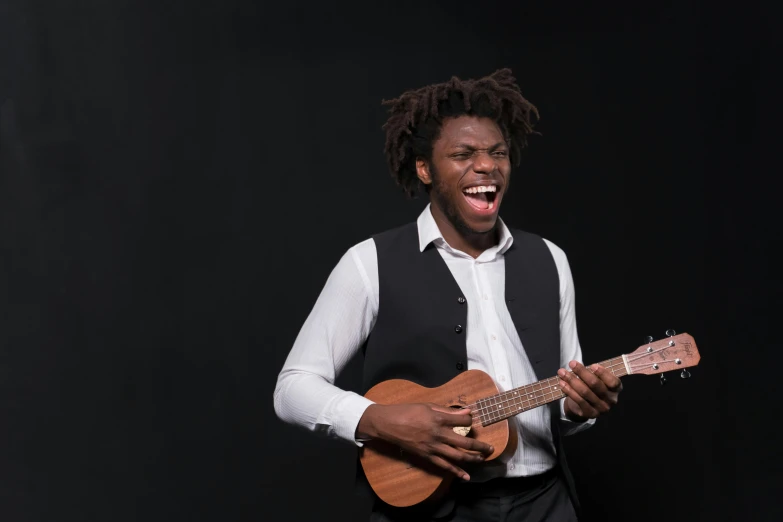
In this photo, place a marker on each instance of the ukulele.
(401, 479)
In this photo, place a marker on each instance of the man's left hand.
(589, 392)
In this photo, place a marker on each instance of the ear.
(423, 171)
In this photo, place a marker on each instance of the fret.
(518, 400)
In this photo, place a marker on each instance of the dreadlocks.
(415, 119)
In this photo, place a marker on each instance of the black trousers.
(543, 498)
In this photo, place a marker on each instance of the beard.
(440, 194)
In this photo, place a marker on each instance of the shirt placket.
(492, 326)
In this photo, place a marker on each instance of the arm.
(335, 330)
(592, 391)
(570, 350)
(332, 334)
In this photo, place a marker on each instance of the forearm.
(309, 401)
(570, 348)
(332, 335)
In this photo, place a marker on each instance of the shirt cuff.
(346, 415)
(570, 427)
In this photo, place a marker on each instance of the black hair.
(415, 119)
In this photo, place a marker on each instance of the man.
(455, 290)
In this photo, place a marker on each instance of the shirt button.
(502, 378)
(486, 297)
(461, 300)
(494, 338)
(458, 328)
(510, 466)
(460, 366)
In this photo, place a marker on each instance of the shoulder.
(557, 252)
(362, 253)
(529, 238)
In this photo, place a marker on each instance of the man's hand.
(589, 392)
(425, 430)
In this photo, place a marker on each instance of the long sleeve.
(332, 334)
(570, 349)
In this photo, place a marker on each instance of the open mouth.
(482, 198)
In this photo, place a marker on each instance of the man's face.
(469, 173)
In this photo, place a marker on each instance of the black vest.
(421, 327)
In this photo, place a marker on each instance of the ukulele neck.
(513, 402)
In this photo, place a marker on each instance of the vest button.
(458, 328)
(460, 366)
(461, 300)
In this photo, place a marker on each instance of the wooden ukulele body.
(401, 479)
(405, 480)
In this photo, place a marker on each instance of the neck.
(472, 243)
(490, 410)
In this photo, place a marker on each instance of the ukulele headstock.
(676, 352)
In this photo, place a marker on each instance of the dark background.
(177, 180)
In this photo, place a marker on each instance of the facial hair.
(439, 193)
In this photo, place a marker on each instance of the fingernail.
(465, 476)
(572, 364)
(492, 449)
(561, 372)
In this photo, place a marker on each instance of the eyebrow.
(471, 147)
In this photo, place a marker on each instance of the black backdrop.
(177, 180)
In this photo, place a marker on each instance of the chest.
(424, 301)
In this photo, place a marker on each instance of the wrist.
(366, 429)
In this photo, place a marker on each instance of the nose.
(484, 163)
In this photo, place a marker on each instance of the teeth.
(491, 205)
(483, 188)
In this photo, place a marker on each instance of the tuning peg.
(663, 379)
(650, 339)
(685, 374)
(670, 333)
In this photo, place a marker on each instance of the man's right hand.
(425, 430)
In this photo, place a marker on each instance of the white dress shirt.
(345, 313)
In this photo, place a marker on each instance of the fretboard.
(513, 402)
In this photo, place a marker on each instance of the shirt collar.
(429, 232)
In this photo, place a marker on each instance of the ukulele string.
(547, 388)
(483, 413)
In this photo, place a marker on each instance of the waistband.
(505, 486)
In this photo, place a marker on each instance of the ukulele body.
(405, 480)
(401, 479)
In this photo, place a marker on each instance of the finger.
(455, 419)
(573, 407)
(466, 443)
(595, 384)
(453, 454)
(612, 382)
(565, 384)
(585, 407)
(596, 401)
(448, 466)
